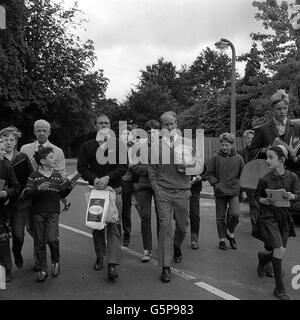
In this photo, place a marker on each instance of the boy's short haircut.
(42, 153)
(228, 137)
(152, 124)
(247, 132)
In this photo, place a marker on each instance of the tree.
(280, 51)
(56, 73)
(210, 72)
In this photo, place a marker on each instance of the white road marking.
(76, 230)
(177, 272)
(215, 291)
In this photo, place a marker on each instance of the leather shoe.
(166, 274)
(19, 260)
(112, 272)
(126, 241)
(232, 242)
(98, 265)
(177, 255)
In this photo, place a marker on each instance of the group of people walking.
(34, 183)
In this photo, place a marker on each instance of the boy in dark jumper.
(9, 189)
(223, 173)
(45, 188)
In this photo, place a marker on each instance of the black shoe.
(166, 274)
(177, 255)
(98, 265)
(19, 260)
(112, 272)
(126, 240)
(232, 242)
(8, 276)
(42, 276)
(222, 245)
(282, 295)
(55, 269)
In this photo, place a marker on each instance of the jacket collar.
(274, 175)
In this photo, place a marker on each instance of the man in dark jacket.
(98, 163)
(9, 189)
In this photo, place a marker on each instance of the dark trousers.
(18, 221)
(127, 191)
(195, 213)
(227, 214)
(112, 247)
(46, 231)
(5, 256)
(145, 212)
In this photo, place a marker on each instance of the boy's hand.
(244, 196)
(44, 186)
(289, 196)
(3, 194)
(266, 201)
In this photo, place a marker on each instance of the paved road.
(205, 274)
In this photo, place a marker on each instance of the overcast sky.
(130, 34)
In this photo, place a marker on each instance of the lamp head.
(221, 45)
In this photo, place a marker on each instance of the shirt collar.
(280, 123)
(101, 137)
(37, 144)
(167, 139)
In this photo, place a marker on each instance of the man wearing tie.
(172, 193)
(42, 131)
(98, 163)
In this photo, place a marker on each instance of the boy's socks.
(278, 274)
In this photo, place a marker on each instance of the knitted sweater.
(46, 201)
(223, 173)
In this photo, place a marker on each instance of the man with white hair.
(42, 131)
(172, 193)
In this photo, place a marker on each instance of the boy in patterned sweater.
(46, 187)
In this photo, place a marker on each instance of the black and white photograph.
(185, 114)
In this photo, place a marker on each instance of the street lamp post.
(223, 44)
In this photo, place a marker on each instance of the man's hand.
(3, 194)
(44, 186)
(101, 183)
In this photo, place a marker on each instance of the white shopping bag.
(2, 278)
(97, 209)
